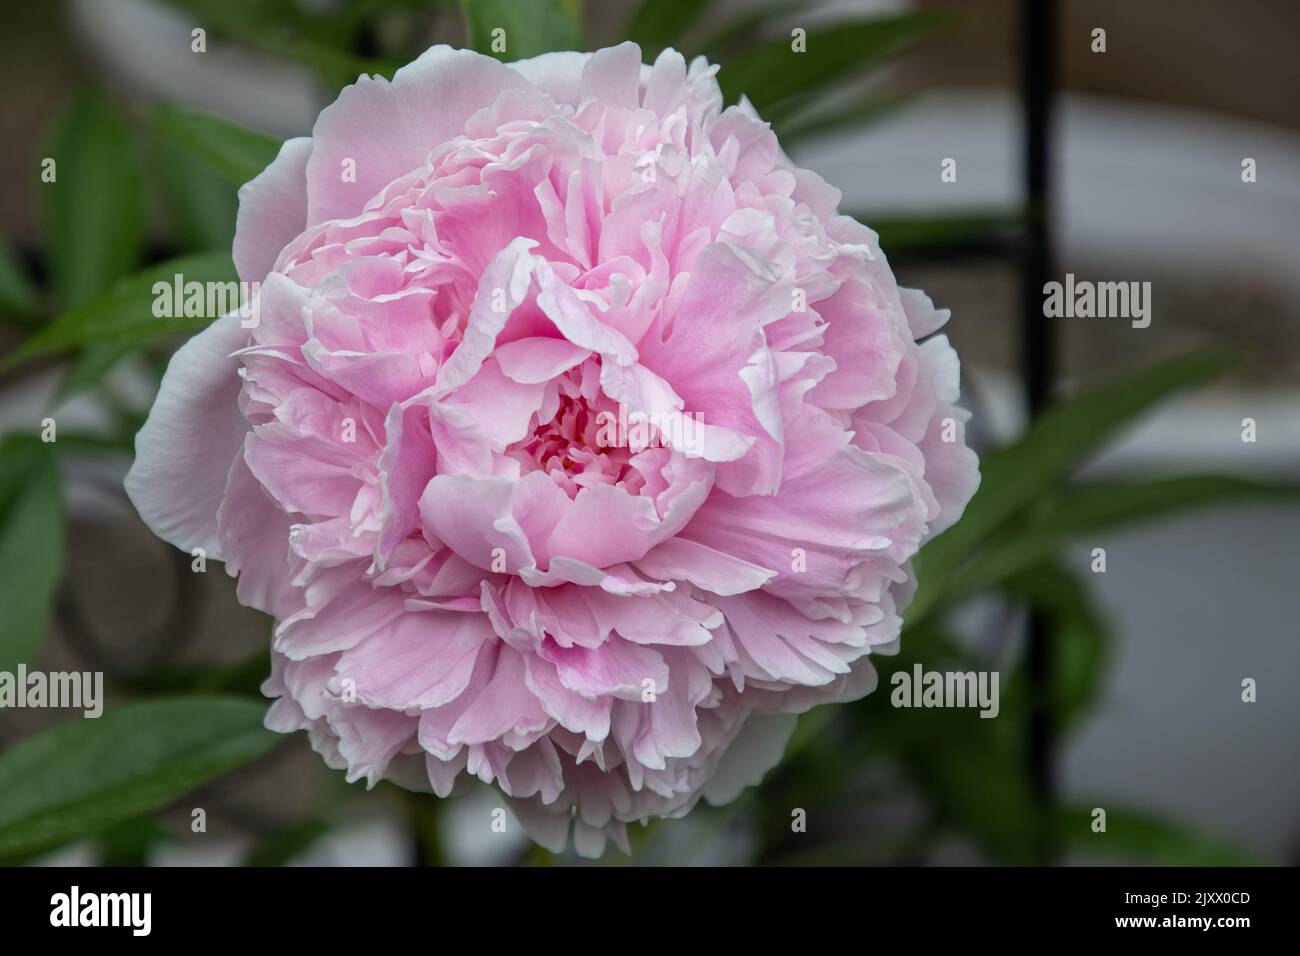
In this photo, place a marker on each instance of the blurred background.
(1122, 690)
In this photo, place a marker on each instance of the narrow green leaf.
(130, 842)
(199, 202)
(1138, 837)
(290, 30)
(83, 776)
(283, 844)
(1080, 640)
(539, 26)
(805, 124)
(742, 30)
(658, 24)
(773, 71)
(899, 234)
(18, 295)
(90, 366)
(1089, 508)
(234, 151)
(972, 770)
(126, 313)
(31, 547)
(93, 206)
(1066, 434)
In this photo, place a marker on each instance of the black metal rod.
(1038, 360)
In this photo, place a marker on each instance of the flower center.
(574, 449)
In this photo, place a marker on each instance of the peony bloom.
(580, 443)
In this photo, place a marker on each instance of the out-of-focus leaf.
(899, 235)
(805, 125)
(658, 24)
(83, 776)
(1061, 438)
(241, 677)
(1136, 837)
(31, 546)
(90, 366)
(92, 209)
(1079, 639)
(970, 768)
(88, 441)
(18, 296)
(129, 842)
(283, 844)
(772, 71)
(286, 28)
(539, 26)
(742, 30)
(236, 152)
(125, 314)
(200, 202)
(1093, 507)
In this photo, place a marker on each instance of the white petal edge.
(193, 433)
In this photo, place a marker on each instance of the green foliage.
(31, 546)
(1088, 508)
(1062, 438)
(284, 843)
(539, 26)
(124, 315)
(234, 151)
(918, 234)
(295, 31)
(771, 73)
(1139, 837)
(84, 776)
(93, 206)
(658, 24)
(19, 298)
(1079, 640)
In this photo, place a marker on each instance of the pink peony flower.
(580, 444)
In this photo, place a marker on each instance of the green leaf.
(31, 547)
(658, 24)
(898, 234)
(291, 30)
(124, 315)
(18, 296)
(90, 366)
(1089, 508)
(1079, 640)
(199, 202)
(1134, 836)
(234, 151)
(283, 844)
(970, 767)
(1064, 435)
(539, 26)
(772, 71)
(130, 842)
(240, 677)
(83, 776)
(807, 124)
(93, 207)
(742, 30)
